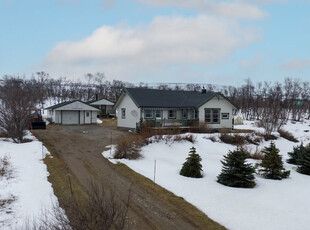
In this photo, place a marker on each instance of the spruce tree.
(192, 166)
(304, 162)
(296, 155)
(272, 164)
(235, 172)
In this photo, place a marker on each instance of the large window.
(123, 110)
(158, 113)
(171, 114)
(184, 114)
(212, 116)
(148, 114)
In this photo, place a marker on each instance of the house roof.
(67, 103)
(154, 98)
(102, 101)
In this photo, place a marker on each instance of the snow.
(270, 205)
(99, 121)
(28, 184)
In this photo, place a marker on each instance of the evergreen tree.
(235, 172)
(272, 165)
(192, 166)
(304, 166)
(297, 154)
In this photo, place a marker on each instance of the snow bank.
(270, 205)
(33, 193)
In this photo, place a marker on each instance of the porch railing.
(168, 123)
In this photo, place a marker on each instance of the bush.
(192, 166)
(232, 139)
(256, 154)
(235, 172)
(269, 137)
(128, 147)
(272, 165)
(287, 135)
(297, 154)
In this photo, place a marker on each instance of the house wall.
(57, 115)
(94, 117)
(130, 120)
(218, 103)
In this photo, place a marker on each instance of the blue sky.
(201, 41)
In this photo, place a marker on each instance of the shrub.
(272, 165)
(6, 168)
(287, 135)
(235, 172)
(192, 166)
(256, 154)
(232, 139)
(269, 137)
(297, 154)
(128, 147)
(304, 166)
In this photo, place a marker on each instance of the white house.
(104, 105)
(73, 113)
(173, 108)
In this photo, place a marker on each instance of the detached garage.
(73, 113)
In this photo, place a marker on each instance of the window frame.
(212, 114)
(123, 113)
(149, 112)
(160, 113)
(223, 116)
(185, 112)
(174, 114)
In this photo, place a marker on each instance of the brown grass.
(287, 135)
(255, 154)
(129, 147)
(108, 122)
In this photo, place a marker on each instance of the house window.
(212, 116)
(87, 114)
(123, 110)
(158, 113)
(225, 115)
(184, 114)
(196, 114)
(171, 114)
(148, 114)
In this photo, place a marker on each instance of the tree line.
(273, 103)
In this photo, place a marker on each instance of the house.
(173, 108)
(73, 113)
(104, 105)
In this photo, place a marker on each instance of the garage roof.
(63, 104)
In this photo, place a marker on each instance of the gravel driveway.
(81, 147)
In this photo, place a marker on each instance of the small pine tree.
(235, 172)
(192, 166)
(272, 165)
(297, 154)
(304, 166)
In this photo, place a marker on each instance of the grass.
(287, 135)
(108, 122)
(189, 212)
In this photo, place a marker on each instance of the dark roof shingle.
(154, 98)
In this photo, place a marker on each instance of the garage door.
(70, 117)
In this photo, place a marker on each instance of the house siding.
(220, 103)
(130, 120)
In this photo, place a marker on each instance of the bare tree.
(16, 104)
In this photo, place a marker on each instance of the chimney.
(203, 91)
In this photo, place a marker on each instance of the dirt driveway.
(81, 147)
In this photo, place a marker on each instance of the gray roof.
(66, 103)
(154, 98)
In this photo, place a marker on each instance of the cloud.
(129, 52)
(296, 64)
(230, 9)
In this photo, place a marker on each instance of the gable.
(76, 105)
(218, 101)
(102, 101)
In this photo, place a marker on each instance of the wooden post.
(69, 180)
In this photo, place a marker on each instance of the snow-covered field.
(270, 205)
(32, 194)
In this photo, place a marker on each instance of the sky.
(172, 41)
